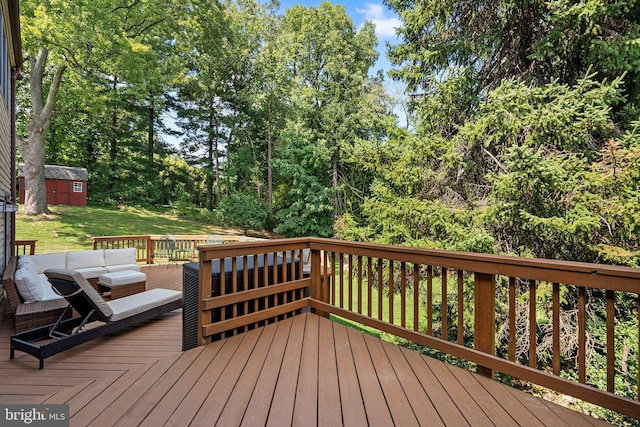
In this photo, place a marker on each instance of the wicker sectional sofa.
(31, 299)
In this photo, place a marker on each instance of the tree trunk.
(150, 132)
(113, 146)
(334, 183)
(269, 170)
(216, 154)
(33, 150)
(210, 165)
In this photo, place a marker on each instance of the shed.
(65, 185)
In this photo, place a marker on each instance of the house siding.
(6, 163)
(10, 64)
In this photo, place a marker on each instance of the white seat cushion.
(47, 291)
(121, 278)
(91, 272)
(141, 302)
(122, 267)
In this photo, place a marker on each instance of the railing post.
(318, 282)
(205, 290)
(484, 337)
(150, 250)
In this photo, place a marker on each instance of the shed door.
(63, 192)
(51, 191)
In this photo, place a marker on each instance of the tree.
(33, 149)
(56, 36)
(329, 61)
(304, 195)
(457, 51)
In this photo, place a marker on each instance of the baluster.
(359, 284)
(611, 349)
(429, 300)
(391, 292)
(234, 289)
(350, 282)
(416, 296)
(369, 286)
(341, 280)
(265, 282)
(443, 304)
(460, 308)
(333, 276)
(245, 282)
(222, 288)
(403, 297)
(533, 325)
(582, 338)
(380, 289)
(286, 295)
(256, 280)
(556, 329)
(512, 319)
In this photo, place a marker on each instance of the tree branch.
(53, 91)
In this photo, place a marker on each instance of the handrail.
(433, 290)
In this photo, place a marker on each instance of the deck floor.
(304, 370)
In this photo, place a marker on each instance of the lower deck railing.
(556, 324)
(24, 247)
(152, 249)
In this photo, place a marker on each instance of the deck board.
(234, 410)
(353, 412)
(305, 410)
(328, 381)
(376, 408)
(419, 400)
(258, 408)
(282, 405)
(396, 399)
(305, 370)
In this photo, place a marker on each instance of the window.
(77, 187)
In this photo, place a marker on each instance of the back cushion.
(85, 259)
(28, 282)
(119, 256)
(44, 262)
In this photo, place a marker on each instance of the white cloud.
(385, 25)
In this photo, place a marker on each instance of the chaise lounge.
(114, 315)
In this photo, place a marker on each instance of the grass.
(70, 228)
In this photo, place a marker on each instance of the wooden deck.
(301, 371)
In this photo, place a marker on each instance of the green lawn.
(71, 228)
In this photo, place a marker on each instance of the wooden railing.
(156, 248)
(24, 247)
(486, 309)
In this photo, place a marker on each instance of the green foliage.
(401, 220)
(243, 210)
(303, 200)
